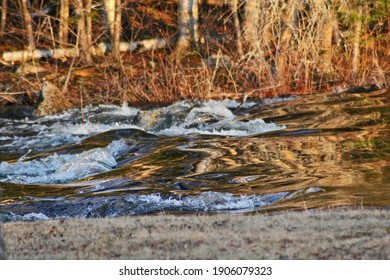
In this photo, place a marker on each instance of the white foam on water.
(35, 135)
(207, 201)
(235, 104)
(41, 141)
(224, 128)
(29, 217)
(34, 217)
(123, 110)
(211, 117)
(90, 128)
(214, 201)
(279, 99)
(151, 203)
(214, 108)
(60, 129)
(56, 168)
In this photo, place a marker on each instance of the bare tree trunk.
(258, 35)
(85, 48)
(188, 25)
(3, 17)
(88, 21)
(28, 25)
(356, 40)
(330, 24)
(109, 7)
(237, 27)
(114, 22)
(64, 23)
(251, 23)
(285, 38)
(117, 28)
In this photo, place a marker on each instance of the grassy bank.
(325, 234)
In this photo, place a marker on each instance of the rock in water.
(17, 112)
(53, 100)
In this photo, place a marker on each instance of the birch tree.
(188, 25)
(114, 22)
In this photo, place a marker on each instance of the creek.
(291, 153)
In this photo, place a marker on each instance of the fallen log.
(101, 49)
(26, 55)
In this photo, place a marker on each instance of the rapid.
(290, 153)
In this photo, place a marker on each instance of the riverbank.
(325, 234)
(295, 49)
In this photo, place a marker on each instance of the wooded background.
(298, 44)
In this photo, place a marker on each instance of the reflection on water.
(319, 151)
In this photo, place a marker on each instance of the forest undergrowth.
(253, 49)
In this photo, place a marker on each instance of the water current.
(292, 153)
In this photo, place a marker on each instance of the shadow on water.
(334, 151)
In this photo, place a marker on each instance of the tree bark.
(356, 39)
(3, 17)
(83, 44)
(329, 25)
(237, 27)
(64, 23)
(251, 24)
(285, 38)
(88, 21)
(109, 7)
(114, 22)
(117, 28)
(188, 25)
(28, 25)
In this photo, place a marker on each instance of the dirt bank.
(330, 234)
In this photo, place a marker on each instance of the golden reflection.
(336, 144)
(328, 111)
(348, 163)
(345, 156)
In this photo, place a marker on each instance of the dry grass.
(333, 234)
(297, 47)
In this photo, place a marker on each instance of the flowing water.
(289, 153)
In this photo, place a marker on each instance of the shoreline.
(315, 234)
